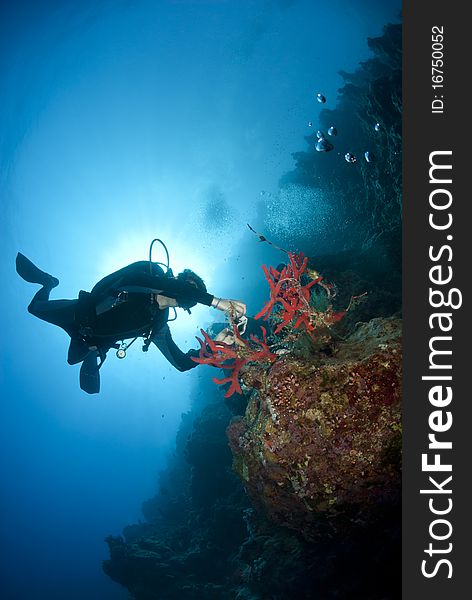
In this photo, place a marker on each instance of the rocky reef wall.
(313, 512)
(320, 439)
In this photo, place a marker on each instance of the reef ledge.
(319, 445)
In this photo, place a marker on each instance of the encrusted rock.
(321, 437)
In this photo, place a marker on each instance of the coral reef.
(203, 539)
(320, 441)
(291, 305)
(293, 297)
(326, 426)
(233, 357)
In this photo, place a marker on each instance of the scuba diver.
(130, 303)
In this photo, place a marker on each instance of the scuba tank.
(121, 352)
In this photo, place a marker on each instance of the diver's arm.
(178, 359)
(114, 280)
(137, 275)
(235, 308)
(167, 286)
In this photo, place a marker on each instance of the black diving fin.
(90, 373)
(31, 273)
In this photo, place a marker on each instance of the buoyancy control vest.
(112, 312)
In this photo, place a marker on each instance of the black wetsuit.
(122, 306)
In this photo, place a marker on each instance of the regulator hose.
(167, 266)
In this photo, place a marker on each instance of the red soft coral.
(293, 298)
(287, 290)
(232, 358)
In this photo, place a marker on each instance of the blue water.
(120, 122)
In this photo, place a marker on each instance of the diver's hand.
(236, 308)
(226, 336)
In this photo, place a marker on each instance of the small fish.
(350, 158)
(323, 145)
(313, 274)
(260, 236)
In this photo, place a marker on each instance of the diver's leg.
(89, 378)
(31, 273)
(41, 296)
(57, 312)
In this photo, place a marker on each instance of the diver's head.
(188, 276)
